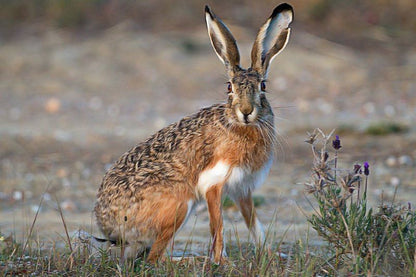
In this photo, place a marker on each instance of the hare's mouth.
(246, 119)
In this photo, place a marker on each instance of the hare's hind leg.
(248, 211)
(169, 219)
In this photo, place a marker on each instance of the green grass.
(386, 128)
(245, 260)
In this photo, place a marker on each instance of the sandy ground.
(70, 105)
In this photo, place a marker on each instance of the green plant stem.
(335, 165)
(365, 187)
(348, 233)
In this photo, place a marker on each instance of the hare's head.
(246, 87)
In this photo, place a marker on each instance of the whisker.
(284, 107)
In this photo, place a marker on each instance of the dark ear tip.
(208, 10)
(282, 7)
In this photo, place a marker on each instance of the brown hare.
(222, 149)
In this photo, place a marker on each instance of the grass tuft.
(386, 128)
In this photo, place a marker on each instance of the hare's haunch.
(223, 149)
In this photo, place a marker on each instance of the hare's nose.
(246, 110)
(246, 113)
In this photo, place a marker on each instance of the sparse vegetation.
(386, 128)
(322, 16)
(362, 240)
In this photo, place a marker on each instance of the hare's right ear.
(223, 42)
(271, 38)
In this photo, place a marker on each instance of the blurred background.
(81, 82)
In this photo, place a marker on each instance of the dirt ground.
(72, 104)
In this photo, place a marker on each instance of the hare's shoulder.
(173, 139)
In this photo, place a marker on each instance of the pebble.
(68, 205)
(395, 181)
(369, 108)
(391, 161)
(36, 208)
(389, 110)
(405, 160)
(302, 105)
(324, 106)
(47, 197)
(52, 105)
(17, 195)
(62, 173)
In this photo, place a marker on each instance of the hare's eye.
(263, 85)
(229, 88)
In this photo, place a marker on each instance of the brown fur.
(143, 198)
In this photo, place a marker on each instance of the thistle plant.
(362, 240)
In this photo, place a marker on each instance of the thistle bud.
(336, 143)
(357, 169)
(366, 169)
(326, 156)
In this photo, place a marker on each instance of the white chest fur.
(238, 180)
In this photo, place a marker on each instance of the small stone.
(369, 108)
(47, 197)
(36, 208)
(17, 195)
(302, 105)
(405, 160)
(395, 181)
(68, 205)
(53, 105)
(62, 173)
(391, 161)
(324, 106)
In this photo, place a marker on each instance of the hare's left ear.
(271, 38)
(223, 42)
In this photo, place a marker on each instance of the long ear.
(271, 38)
(222, 41)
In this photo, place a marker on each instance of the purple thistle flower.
(336, 143)
(366, 169)
(357, 168)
